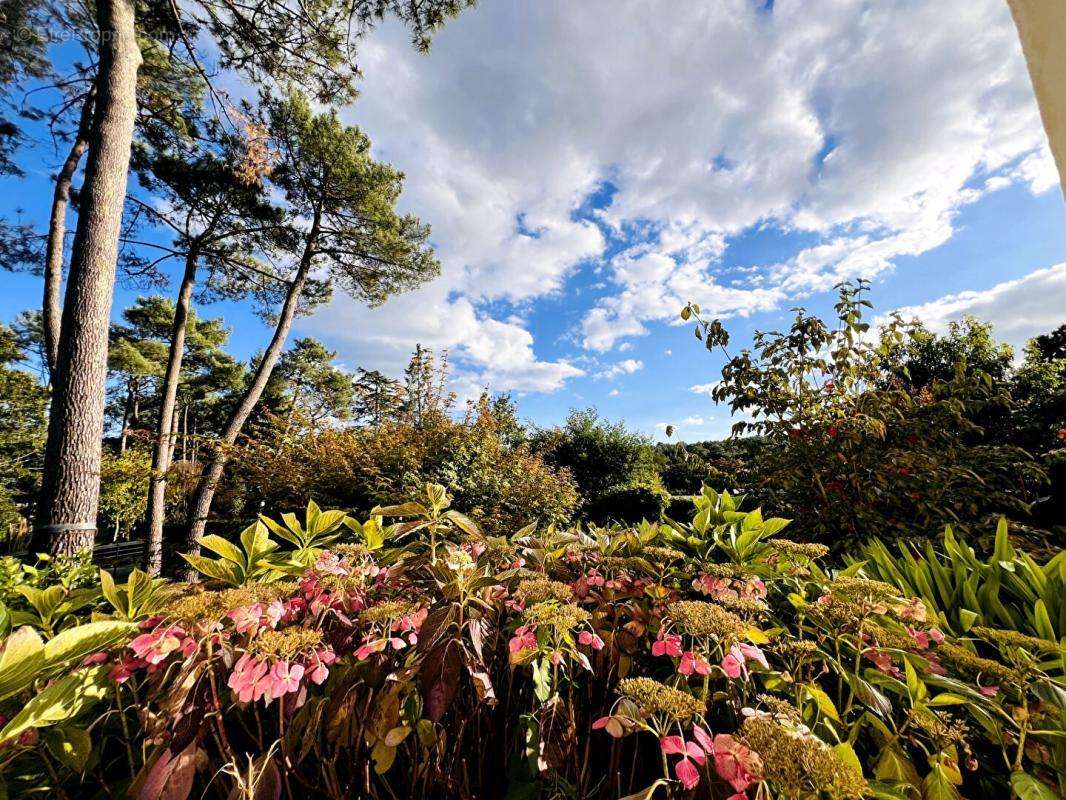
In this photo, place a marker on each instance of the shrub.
(627, 504)
(421, 658)
(503, 486)
(853, 449)
(603, 458)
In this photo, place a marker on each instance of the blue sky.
(588, 168)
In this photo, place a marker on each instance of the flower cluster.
(798, 763)
(706, 620)
(652, 697)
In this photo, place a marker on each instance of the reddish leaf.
(439, 678)
(171, 777)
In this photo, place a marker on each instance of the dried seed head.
(801, 764)
(962, 660)
(657, 698)
(388, 611)
(697, 618)
(538, 590)
(562, 617)
(286, 644)
(1014, 639)
(662, 554)
(798, 550)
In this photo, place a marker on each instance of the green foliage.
(238, 566)
(138, 598)
(604, 459)
(357, 241)
(317, 389)
(1008, 589)
(317, 531)
(719, 524)
(854, 442)
(124, 489)
(626, 504)
(22, 430)
(500, 484)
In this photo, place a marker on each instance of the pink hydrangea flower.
(735, 663)
(691, 663)
(590, 639)
(246, 618)
(124, 668)
(284, 678)
(156, 646)
(718, 588)
(735, 763)
(668, 645)
(732, 666)
(369, 648)
(524, 639)
(690, 752)
(249, 678)
(320, 662)
(329, 563)
(703, 738)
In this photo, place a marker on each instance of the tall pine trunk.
(51, 307)
(205, 490)
(163, 453)
(70, 487)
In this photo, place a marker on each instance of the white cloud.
(524, 111)
(613, 393)
(704, 388)
(1018, 309)
(624, 367)
(484, 351)
(694, 422)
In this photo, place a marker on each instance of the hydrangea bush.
(338, 658)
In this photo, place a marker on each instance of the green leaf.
(948, 699)
(325, 522)
(20, 661)
(825, 705)
(223, 571)
(76, 643)
(967, 619)
(916, 688)
(1026, 787)
(939, 786)
(63, 700)
(463, 523)
(71, 745)
(280, 530)
(223, 547)
(846, 753)
(110, 592)
(1042, 621)
(402, 510)
(894, 765)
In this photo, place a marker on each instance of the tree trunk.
(51, 308)
(126, 410)
(205, 491)
(163, 453)
(185, 432)
(70, 487)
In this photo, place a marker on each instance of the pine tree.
(344, 228)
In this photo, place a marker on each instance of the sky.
(588, 168)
